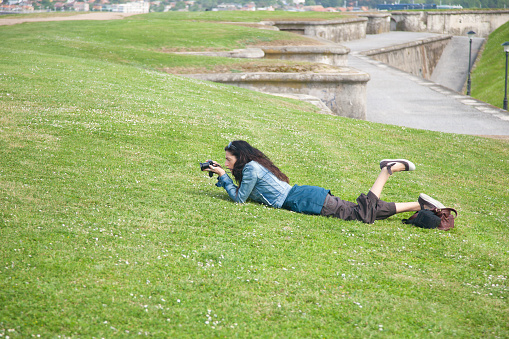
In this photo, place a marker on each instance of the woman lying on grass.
(260, 180)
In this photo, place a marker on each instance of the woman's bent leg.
(369, 207)
(380, 182)
(383, 177)
(407, 207)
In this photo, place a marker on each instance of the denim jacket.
(258, 184)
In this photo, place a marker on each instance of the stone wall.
(333, 30)
(377, 23)
(344, 92)
(408, 21)
(418, 58)
(482, 22)
(331, 55)
(450, 22)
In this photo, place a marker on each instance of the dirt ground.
(255, 67)
(6, 20)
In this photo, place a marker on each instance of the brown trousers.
(368, 208)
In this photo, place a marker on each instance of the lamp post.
(506, 50)
(470, 36)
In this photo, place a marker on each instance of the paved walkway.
(398, 98)
(451, 70)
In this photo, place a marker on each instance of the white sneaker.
(428, 203)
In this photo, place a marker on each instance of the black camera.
(207, 164)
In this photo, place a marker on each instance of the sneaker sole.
(409, 166)
(430, 201)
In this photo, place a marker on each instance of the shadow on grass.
(219, 195)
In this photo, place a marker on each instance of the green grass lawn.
(144, 41)
(488, 76)
(246, 16)
(109, 228)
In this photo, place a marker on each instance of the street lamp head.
(471, 34)
(506, 46)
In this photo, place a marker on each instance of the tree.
(208, 4)
(179, 5)
(330, 3)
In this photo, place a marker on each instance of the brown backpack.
(439, 218)
(446, 218)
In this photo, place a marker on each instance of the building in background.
(131, 7)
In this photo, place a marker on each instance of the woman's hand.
(217, 169)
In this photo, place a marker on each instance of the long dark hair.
(245, 153)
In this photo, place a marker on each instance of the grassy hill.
(145, 42)
(488, 77)
(109, 228)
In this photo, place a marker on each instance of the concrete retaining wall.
(331, 55)
(334, 30)
(482, 22)
(450, 22)
(344, 92)
(408, 21)
(418, 58)
(377, 23)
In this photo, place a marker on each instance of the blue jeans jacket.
(258, 184)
